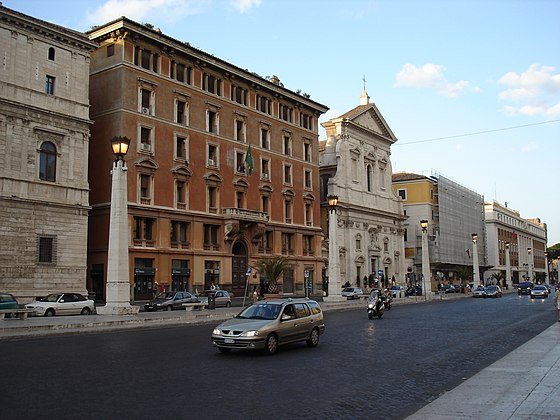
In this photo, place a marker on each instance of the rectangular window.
(49, 85)
(287, 243)
(211, 236)
(212, 199)
(212, 155)
(287, 174)
(145, 59)
(178, 232)
(287, 145)
(288, 211)
(145, 98)
(46, 249)
(264, 138)
(145, 139)
(307, 245)
(180, 148)
(212, 121)
(240, 199)
(180, 109)
(307, 152)
(240, 162)
(180, 72)
(402, 194)
(110, 50)
(240, 131)
(308, 214)
(307, 179)
(265, 204)
(143, 231)
(265, 169)
(265, 245)
(211, 84)
(181, 195)
(145, 189)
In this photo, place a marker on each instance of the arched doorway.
(239, 268)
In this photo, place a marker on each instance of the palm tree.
(498, 276)
(463, 273)
(271, 269)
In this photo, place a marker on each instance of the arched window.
(369, 179)
(47, 162)
(51, 53)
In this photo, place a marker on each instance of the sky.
(470, 88)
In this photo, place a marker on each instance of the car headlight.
(216, 331)
(253, 333)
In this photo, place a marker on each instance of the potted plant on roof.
(271, 269)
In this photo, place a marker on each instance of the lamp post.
(334, 263)
(476, 273)
(530, 263)
(427, 286)
(118, 283)
(508, 265)
(547, 278)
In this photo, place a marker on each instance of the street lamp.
(427, 286)
(476, 273)
(334, 263)
(530, 263)
(118, 283)
(508, 265)
(546, 267)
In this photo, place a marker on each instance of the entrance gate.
(238, 269)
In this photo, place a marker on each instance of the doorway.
(239, 268)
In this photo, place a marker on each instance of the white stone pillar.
(530, 263)
(509, 280)
(335, 286)
(476, 272)
(426, 277)
(118, 283)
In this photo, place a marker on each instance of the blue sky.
(481, 76)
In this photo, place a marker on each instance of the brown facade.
(196, 214)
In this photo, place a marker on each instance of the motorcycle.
(375, 305)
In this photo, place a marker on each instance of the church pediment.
(369, 118)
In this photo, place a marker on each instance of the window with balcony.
(265, 244)
(180, 195)
(146, 139)
(240, 199)
(145, 188)
(143, 232)
(212, 199)
(265, 169)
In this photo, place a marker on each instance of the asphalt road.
(383, 369)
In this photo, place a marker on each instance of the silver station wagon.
(268, 324)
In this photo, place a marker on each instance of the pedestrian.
(212, 286)
(557, 301)
(254, 295)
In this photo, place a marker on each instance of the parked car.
(352, 292)
(170, 300)
(265, 325)
(493, 291)
(414, 291)
(62, 304)
(221, 298)
(539, 291)
(479, 292)
(524, 288)
(397, 291)
(8, 301)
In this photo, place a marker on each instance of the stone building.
(222, 170)
(355, 166)
(454, 213)
(525, 238)
(44, 138)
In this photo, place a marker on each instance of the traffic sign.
(380, 272)
(306, 273)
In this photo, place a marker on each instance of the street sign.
(380, 272)
(306, 273)
(248, 272)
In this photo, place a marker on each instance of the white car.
(397, 291)
(62, 304)
(352, 292)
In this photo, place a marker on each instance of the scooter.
(375, 306)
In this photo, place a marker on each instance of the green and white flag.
(249, 161)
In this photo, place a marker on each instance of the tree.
(271, 269)
(463, 272)
(498, 276)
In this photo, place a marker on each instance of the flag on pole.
(468, 252)
(249, 161)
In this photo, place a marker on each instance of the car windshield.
(348, 289)
(539, 288)
(261, 311)
(168, 295)
(51, 298)
(491, 288)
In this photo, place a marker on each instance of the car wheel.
(169, 308)
(49, 312)
(271, 344)
(224, 349)
(228, 304)
(313, 339)
(86, 311)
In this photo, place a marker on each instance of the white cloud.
(530, 147)
(168, 11)
(244, 5)
(533, 92)
(430, 76)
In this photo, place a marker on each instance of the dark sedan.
(170, 301)
(493, 291)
